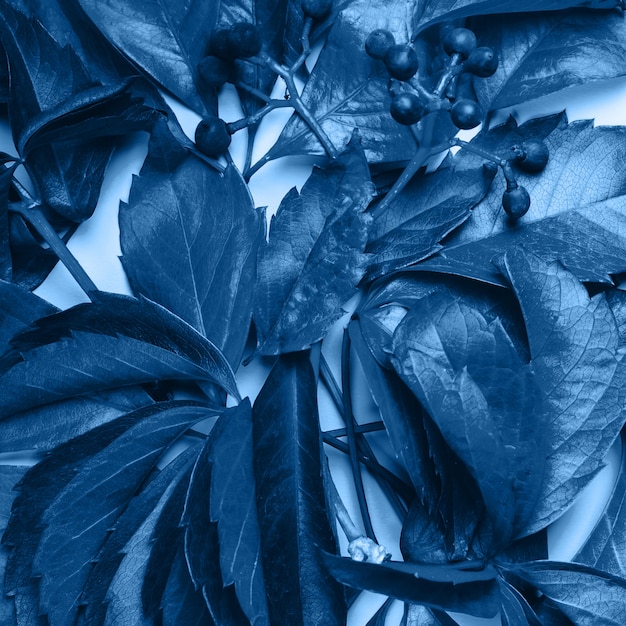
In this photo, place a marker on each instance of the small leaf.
(290, 498)
(314, 258)
(182, 211)
(445, 587)
(563, 213)
(93, 347)
(573, 343)
(587, 596)
(163, 38)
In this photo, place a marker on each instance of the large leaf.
(118, 341)
(184, 213)
(347, 89)
(577, 205)
(484, 399)
(433, 11)
(290, 498)
(164, 38)
(574, 348)
(542, 54)
(426, 210)
(233, 507)
(314, 258)
(445, 587)
(587, 596)
(604, 548)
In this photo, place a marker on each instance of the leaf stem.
(35, 217)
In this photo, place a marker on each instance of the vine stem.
(32, 214)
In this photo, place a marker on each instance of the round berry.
(214, 71)
(222, 44)
(407, 108)
(378, 42)
(212, 137)
(466, 114)
(481, 62)
(459, 41)
(531, 156)
(401, 61)
(246, 39)
(516, 202)
(317, 9)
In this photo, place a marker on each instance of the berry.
(214, 71)
(481, 62)
(378, 42)
(459, 41)
(531, 156)
(240, 41)
(401, 61)
(212, 137)
(407, 108)
(317, 9)
(466, 114)
(516, 201)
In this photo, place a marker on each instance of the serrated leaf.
(347, 89)
(118, 341)
(101, 490)
(434, 11)
(445, 587)
(543, 54)
(92, 605)
(483, 398)
(163, 38)
(182, 212)
(290, 498)
(587, 596)
(574, 352)
(426, 210)
(577, 206)
(604, 547)
(314, 258)
(233, 507)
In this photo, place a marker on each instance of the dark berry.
(317, 9)
(378, 42)
(481, 62)
(401, 61)
(407, 108)
(531, 156)
(241, 41)
(214, 71)
(516, 202)
(466, 114)
(460, 41)
(212, 137)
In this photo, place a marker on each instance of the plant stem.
(233, 127)
(464, 145)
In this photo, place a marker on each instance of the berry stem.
(244, 122)
(32, 214)
(306, 46)
(478, 151)
(453, 69)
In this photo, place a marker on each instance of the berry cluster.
(412, 102)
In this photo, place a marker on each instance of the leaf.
(541, 54)
(573, 343)
(314, 258)
(426, 210)
(183, 213)
(92, 606)
(290, 498)
(577, 198)
(587, 596)
(6, 175)
(604, 547)
(515, 609)
(347, 89)
(233, 507)
(433, 11)
(163, 38)
(484, 399)
(93, 347)
(446, 587)
(101, 490)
